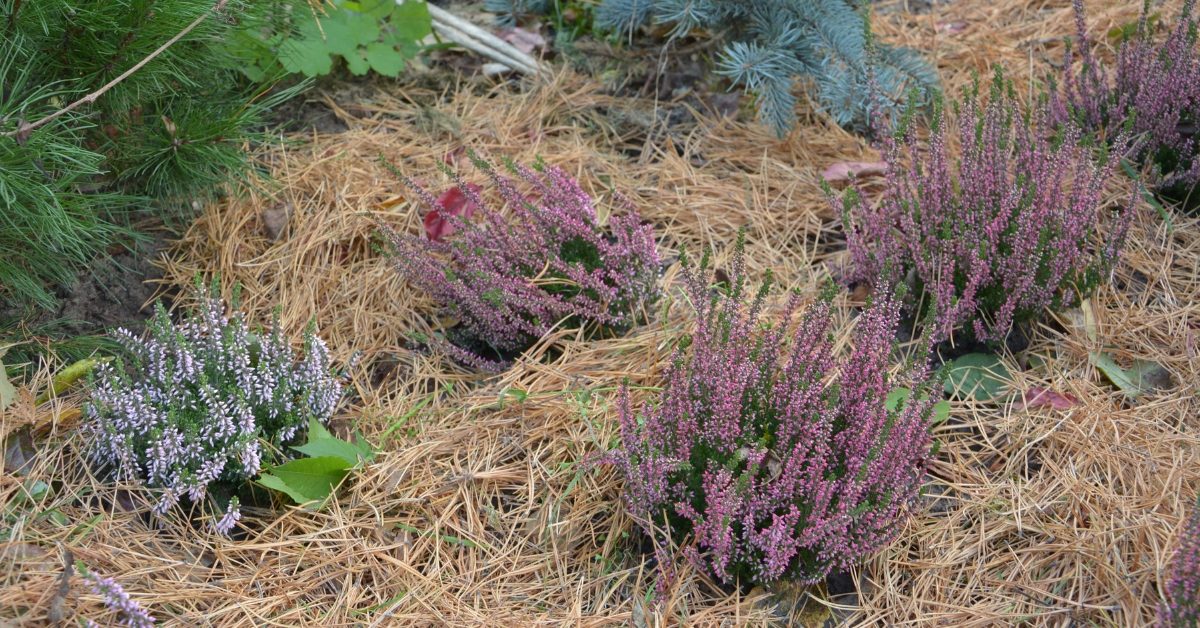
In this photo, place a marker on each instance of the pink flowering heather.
(117, 600)
(1182, 608)
(766, 455)
(1153, 92)
(513, 276)
(205, 403)
(994, 236)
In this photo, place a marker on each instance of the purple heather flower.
(199, 399)
(1152, 92)
(754, 460)
(510, 278)
(1182, 607)
(116, 599)
(992, 237)
(232, 515)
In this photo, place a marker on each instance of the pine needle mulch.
(486, 507)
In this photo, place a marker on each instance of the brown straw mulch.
(484, 509)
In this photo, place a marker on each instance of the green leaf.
(307, 56)
(896, 398)
(306, 479)
(357, 63)
(8, 392)
(345, 31)
(1143, 377)
(384, 59)
(411, 21)
(364, 447)
(56, 516)
(941, 412)
(981, 376)
(376, 9)
(323, 444)
(277, 484)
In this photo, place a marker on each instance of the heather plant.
(1182, 607)
(511, 277)
(200, 407)
(996, 235)
(768, 456)
(116, 599)
(1153, 92)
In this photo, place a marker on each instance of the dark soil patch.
(110, 293)
(114, 291)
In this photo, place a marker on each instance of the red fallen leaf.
(452, 202)
(842, 171)
(436, 227)
(1038, 397)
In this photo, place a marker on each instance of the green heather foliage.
(173, 130)
(771, 43)
(995, 235)
(768, 455)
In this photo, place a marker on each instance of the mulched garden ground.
(483, 509)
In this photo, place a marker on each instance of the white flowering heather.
(205, 401)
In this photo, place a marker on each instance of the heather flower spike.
(205, 403)
(117, 600)
(995, 236)
(1182, 607)
(1152, 92)
(511, 277)
(753, 460)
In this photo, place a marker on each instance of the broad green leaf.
(384, 59)
(896, 398)
(365, 449)
(323, 444)
(56, 516)
(1115, 373)
(980, 376)
(8, 392)
(307, 54)
(410, 49)
(375, 9)
(941, 412)
(306, 479)
(345, 31)
(411, 21)
(276, 484)
(1142, 377)
(356, 62)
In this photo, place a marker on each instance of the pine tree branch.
(25, 128)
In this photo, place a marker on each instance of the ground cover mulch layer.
(483, 508)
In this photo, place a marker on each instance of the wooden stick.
(481, 42)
